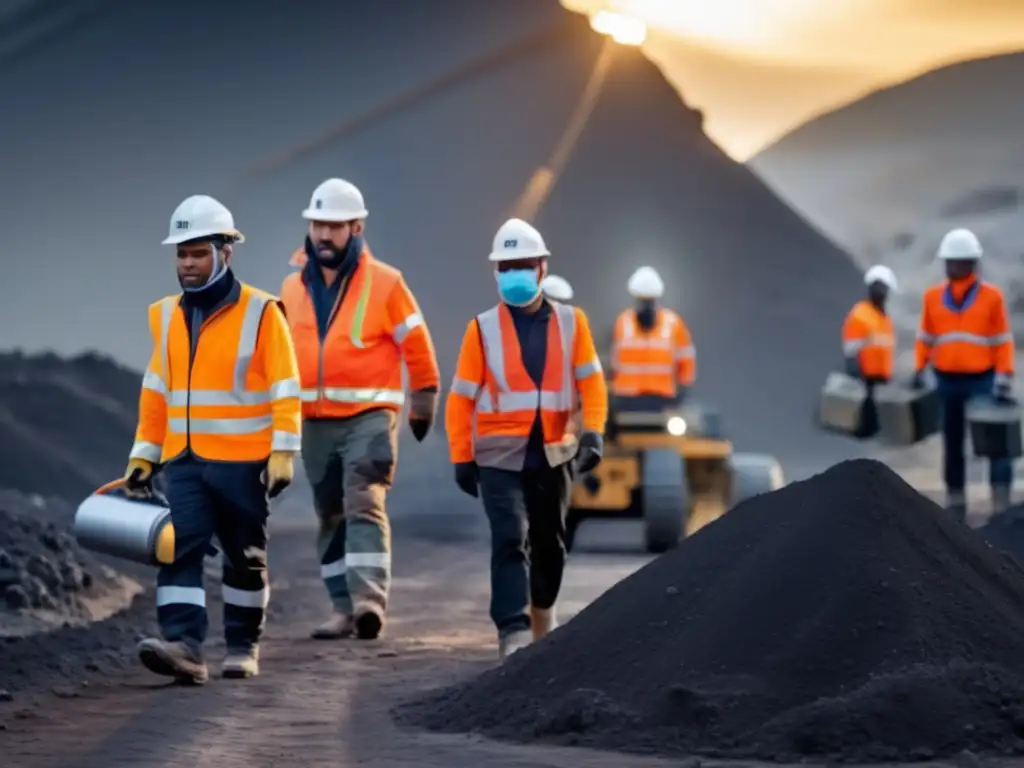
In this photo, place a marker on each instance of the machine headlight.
(676, 426)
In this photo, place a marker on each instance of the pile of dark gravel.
(844, 617)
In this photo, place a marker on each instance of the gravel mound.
(843, 618)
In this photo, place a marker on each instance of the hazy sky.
(758, 68)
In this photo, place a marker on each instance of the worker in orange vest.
(653, 359)
(965, 337)
(520, 367)
(869, 341)
(220, 410)
(354, 321)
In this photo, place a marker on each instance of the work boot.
(173, 659)
(956, 505)
(338, 627)
(542, 621)
(369, 624)
(512, 642)
(240, 664)
(1000, 499)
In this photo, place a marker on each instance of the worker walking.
(653, 355)
(869, 341)
(520, 367)
(354, 321)
(556, 288)
(965, 336)
(220, 410)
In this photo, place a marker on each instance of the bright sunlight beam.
(623, 29)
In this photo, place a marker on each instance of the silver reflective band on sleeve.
(285, 441)
(641, 370)
(926, 338)
(588, 369)
(154, 382)
(852, 347)
(685, 353)
(330, 570)
(285, 388)
(415, 320)
(465, 388)
(150, 452)
(353, 395)
(244, 598)
(368, 560)
(248, 426)
(168, 595)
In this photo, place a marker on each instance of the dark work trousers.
(869, 419)
(228, 500)
(956, 390)
(526, 512)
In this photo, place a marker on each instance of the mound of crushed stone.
(47, 581)
(844, 618)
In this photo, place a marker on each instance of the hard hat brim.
(200, 234)
(960, 257)
(311, 214)
(505, 256)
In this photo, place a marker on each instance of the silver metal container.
(114, 524)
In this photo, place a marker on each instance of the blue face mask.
(518, 287)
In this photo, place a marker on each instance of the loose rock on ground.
(845, 617)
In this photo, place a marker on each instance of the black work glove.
(917, 382)
(853, 367)
(589, 453)
(682, 392)
(467, 477)
(422, 411)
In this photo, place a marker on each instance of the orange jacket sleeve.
(685, 354)
(1002, 335)
(152, 426)
(590, 383)
(855, 333)
(410, 333)
(925, 336)
(460, 405)
(618, 331)
(275, 356)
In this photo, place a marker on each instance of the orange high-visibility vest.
(655, 361)
(375, 325)
(493, 401)
(869, 336)
(237, 399)
(971, 335)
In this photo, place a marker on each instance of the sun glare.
(623, 29)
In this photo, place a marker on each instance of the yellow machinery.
(672, 468)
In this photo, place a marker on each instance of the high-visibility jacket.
(655, 361)
(869, 336)
(493, 402)
(232, 395)
(374, 326)
(965, 329)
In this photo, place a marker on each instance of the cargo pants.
(227, 500)
(526, 511)
(350, 464)
(956, 391)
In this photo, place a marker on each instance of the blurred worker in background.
(354, 321)
(519, 369)
(220, 410)
(965, 336)
(653, 358)
(556, 288)
(869, 340)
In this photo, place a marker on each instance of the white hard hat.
(557, 288)
(881, 274)
(201, 216)
(960, 244)
(518, 240)
(646, 283)
(336, 200)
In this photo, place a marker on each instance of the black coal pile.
(1006, 531)
(47, 580)
(842, 618)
